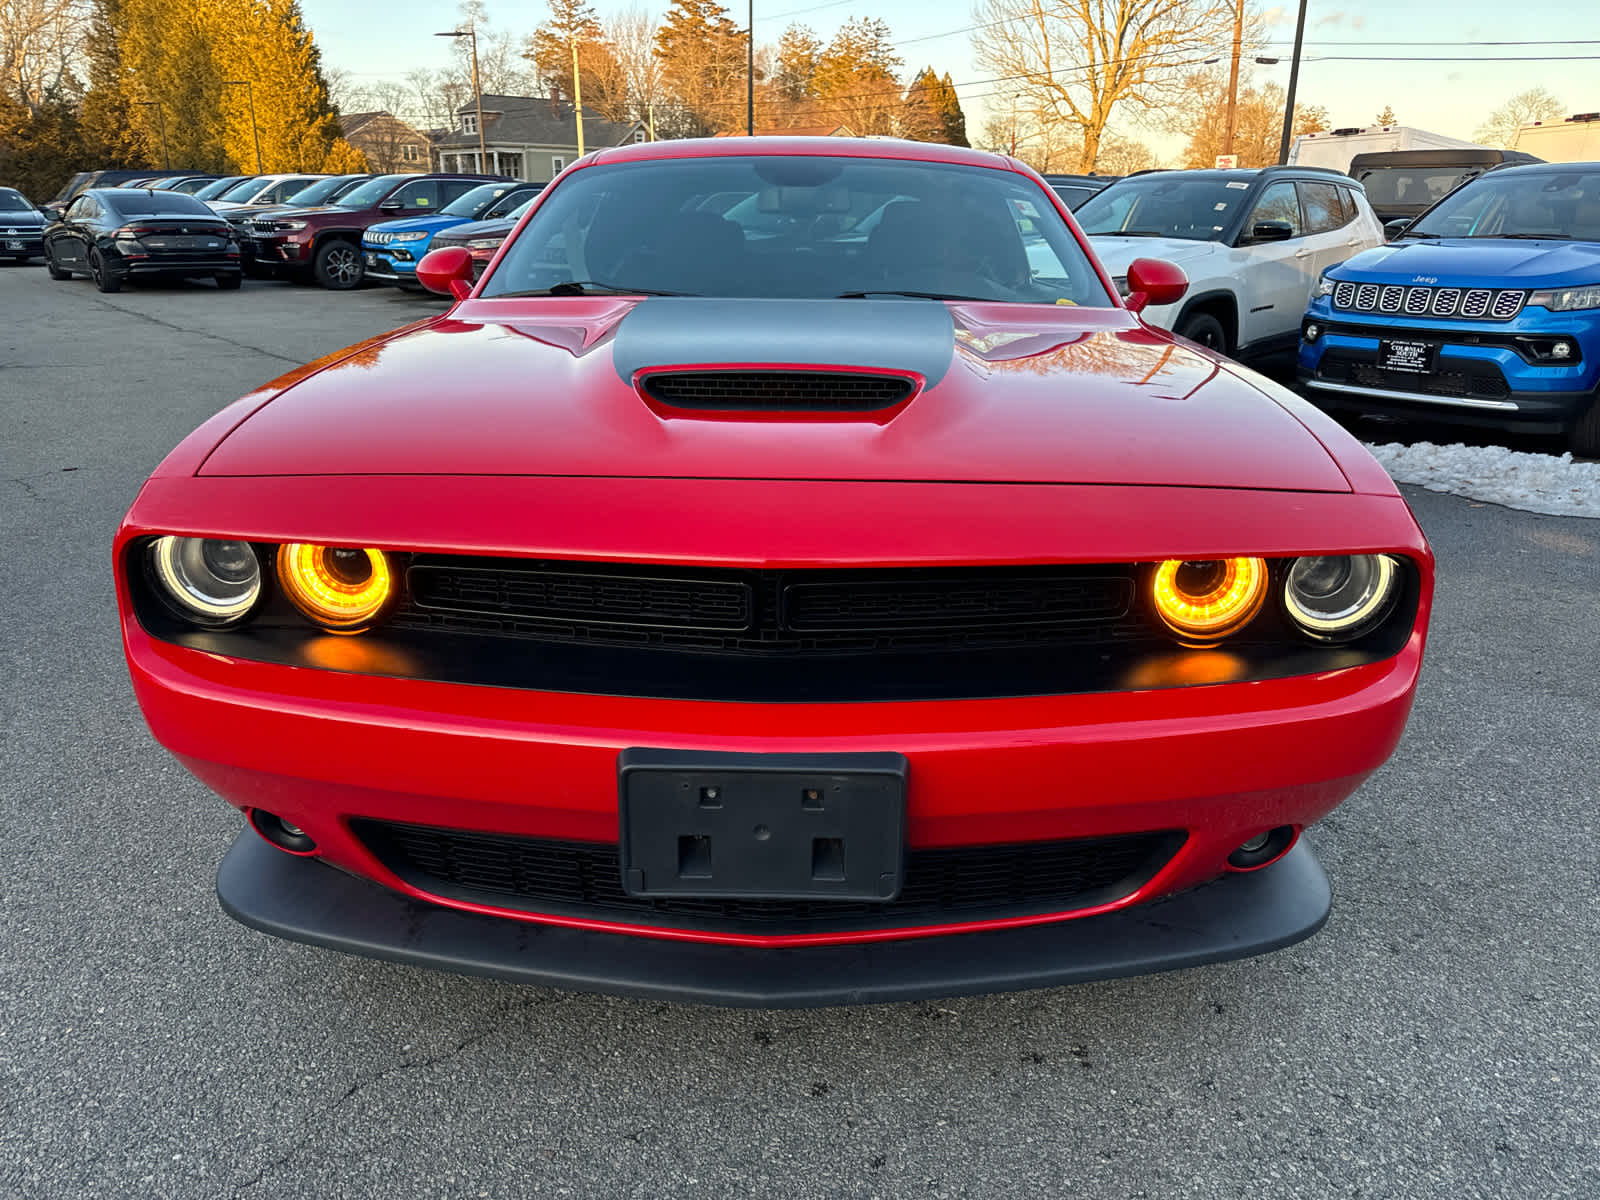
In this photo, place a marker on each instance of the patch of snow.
(1541, 483)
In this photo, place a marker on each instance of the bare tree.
(40, 43)
(1535, 104)
(1075, 62)
(632, 35)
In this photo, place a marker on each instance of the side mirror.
(389, 206)
(447, 271)
(1152, 281)
(1271, 231)
(53, 211)
(1393, 229)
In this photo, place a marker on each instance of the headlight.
(1324, 286)
(209, 581)
(288, 226)
(1337, 598)
(484, 243)
(408, 237)
(341, 589)
(1207, 600)
(1567, 299)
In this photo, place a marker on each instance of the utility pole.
(1294, 80)
(1233, 78)
(255, 130)
(161, 124)
(750, 74)
(477, 91)
(577, 96)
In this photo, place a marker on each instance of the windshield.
(244, 190)
(801, 227)
(159, 204)
(11, 201)
(214, 190)
(322, 190)
(475, 203)
(1195, 208)
(1413, 187)
(1556, 204)
(370, 192)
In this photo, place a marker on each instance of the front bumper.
(1481, 372)
(28, 243)
(383, 266)
(1233, 917)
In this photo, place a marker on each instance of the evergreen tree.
(794, 79)
(702, 55)
(955, 121)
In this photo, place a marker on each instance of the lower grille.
(1460, 380)
(584, 879)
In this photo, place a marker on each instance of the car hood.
(1013, 394)
(417, 224)
(1117, 252)
(21, 220)
(475, 229)
(1476, 262)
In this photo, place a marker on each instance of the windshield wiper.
(1417, 233)
(1134, 233)
(590, 287)
(1532, 237)
(915, 296)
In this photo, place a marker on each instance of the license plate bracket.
(762, 826)
(1410, 356)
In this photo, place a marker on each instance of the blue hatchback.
(392, 248)
(1485, 311)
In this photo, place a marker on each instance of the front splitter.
(1233, 917)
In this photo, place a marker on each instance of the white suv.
(1252, 242)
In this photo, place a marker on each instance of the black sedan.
(116, 234)
(21, 226)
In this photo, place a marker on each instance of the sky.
(383, 39)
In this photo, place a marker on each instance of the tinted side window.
(451, 189)
(1324, 209)
(1278, 203)
(419, 194)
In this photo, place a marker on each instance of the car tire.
(55, 271)
(1586, 433)
(338, 266)
(104, 278)
(229, 282)
(1204, 329)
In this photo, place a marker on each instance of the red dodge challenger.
(791, 575)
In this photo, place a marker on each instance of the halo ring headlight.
(1205, 600)
(1340, 597)
(342, 589)
(210, 581)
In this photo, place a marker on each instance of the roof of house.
(800, 131)
(538, 121)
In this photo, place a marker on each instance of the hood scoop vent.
(778, 390)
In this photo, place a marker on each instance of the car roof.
(1545, 168)
(1440, 158)
(814, 147)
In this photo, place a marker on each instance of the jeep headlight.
(408, 237)
(484, 243)
(1324, 286)
(1567, 299)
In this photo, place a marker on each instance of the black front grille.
(777, 391)
(1461, 379)
(772, 612)
(966, 883)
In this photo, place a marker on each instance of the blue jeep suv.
(1485, 310)
(392, 249)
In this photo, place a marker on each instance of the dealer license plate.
(13, 245)
(1415, 357)
(762, 826)
(372, 260)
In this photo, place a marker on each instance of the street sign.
(1226, 162)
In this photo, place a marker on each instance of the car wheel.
(338, 266)
(55, 271)
(1204, 329)
(229, 282)
(1586, 433)
(104, 277)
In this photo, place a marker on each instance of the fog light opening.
(1313, 332)
(1263, 849)
(286, 837)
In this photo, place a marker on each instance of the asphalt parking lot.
(1438, 1038)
